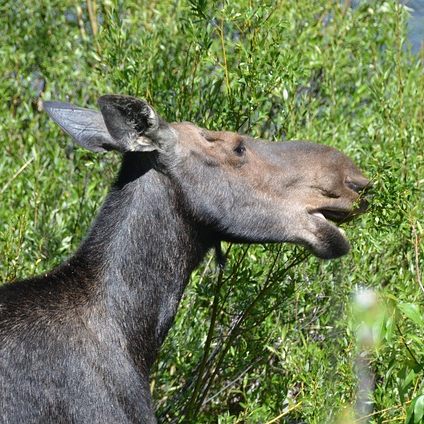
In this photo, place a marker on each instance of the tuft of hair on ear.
(220, 258)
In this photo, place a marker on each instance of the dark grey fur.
(77, 345)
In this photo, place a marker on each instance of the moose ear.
(125, 123)
(132, 123)
(85, 126)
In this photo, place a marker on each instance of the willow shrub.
(271, 337)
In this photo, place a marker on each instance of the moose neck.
(146, 248)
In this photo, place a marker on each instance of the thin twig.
(234, 331)
(92, 11)
(285, 413)
(224, 55)
(19, 171)
(406, 346)
(231, 383)
(81, 22)
(222, 348)
(358, 420)
(205, 270)
(417, 256)
(215, 309)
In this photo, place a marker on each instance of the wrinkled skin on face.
(239, 188)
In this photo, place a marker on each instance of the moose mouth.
(338, 216)
(330, 240)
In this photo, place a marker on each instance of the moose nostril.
(359, 187)
(355, 187)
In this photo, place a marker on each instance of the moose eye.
(240, 149)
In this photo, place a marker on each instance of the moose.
(77, 344)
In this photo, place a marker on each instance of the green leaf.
(415, 412)
(408, 379)
(412, 311)
(419, 409)
(410, 413)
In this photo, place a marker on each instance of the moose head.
(239, 188)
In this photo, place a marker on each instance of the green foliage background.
(273, 337)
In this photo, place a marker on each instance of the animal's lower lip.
(321, 216)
